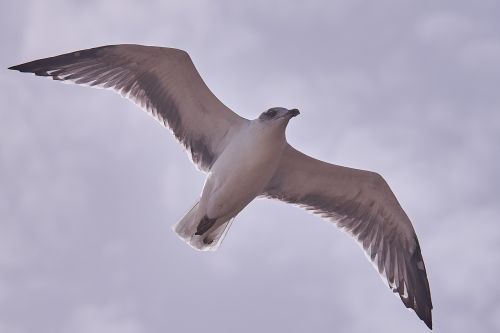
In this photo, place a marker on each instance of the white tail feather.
(209, 241)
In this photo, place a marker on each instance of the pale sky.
(90, 185)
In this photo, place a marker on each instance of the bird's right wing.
(162, 81)
(362, 204)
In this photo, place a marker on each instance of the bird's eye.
(269, 114)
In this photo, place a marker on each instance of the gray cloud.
(90, 185)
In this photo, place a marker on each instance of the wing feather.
(362, 204)
(163, 81)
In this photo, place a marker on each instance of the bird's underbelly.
(237, 177)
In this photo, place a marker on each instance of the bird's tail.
(201, 232)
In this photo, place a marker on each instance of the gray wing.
(362, 204)
(162, 81)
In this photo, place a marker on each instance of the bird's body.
(240, 173)
(245, 159)
(243, 170)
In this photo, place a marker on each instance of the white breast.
(242, 171)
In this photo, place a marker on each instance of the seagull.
(245, 159)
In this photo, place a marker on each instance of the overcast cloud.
(90, 185)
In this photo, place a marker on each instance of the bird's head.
(278, 115)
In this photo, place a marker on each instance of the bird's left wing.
(161, 80)
(362, 204)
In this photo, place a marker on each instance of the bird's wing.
(362, 204)
(162, 81)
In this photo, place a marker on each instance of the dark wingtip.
(423, 294)
(428, 321)
(42, 67)
(23, 68)
(426, 317)
(424, 314)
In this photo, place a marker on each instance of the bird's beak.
(293, 112)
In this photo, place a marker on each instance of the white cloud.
(482, 56)
(9, 328)
(446, 28)
(89, 186)
(102, 319)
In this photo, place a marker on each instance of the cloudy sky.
(90, 185)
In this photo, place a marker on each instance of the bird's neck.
(270, 133)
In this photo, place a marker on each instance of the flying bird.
(245, 159)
